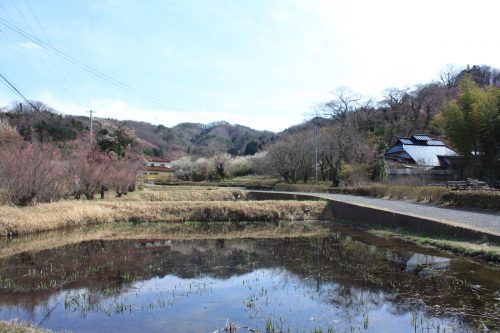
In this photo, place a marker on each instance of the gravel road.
(488, 221)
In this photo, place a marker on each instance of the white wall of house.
(158, 164)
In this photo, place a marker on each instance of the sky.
(260, 63)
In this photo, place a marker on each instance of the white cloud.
(29, 45)
(118, 109)
(265, 65)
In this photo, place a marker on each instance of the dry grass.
(67, 214)
(474, 249)
(250, 181)
(433, 194)
(15, 327)
(401, 192)
(323, 187)
(181, 194)
(473, 199)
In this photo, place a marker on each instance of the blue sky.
(264, 64)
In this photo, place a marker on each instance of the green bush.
(379, 170)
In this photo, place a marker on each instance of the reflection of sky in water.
(173, 304)
(420, 261)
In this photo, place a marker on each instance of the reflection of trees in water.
(337, 270)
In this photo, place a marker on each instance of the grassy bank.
(189, 194)
(432, 194)
(15, 327)
(251, 182)
(160, 231)
(472, 249)
(155, 206)
(475, 249)
(323, 187)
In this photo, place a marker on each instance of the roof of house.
(420, 148)
(420, 140)
(158, 159)
(158, 169)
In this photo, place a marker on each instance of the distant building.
(156, 165)
(420, 150)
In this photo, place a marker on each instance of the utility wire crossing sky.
(262, 64)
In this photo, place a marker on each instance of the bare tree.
(291, 157)
(340, 144)
(220, 161)
(123, 173)
(448, 76)
(394, 107)
(183, 168)
(91, 170)
(343, 104)
(32, 173)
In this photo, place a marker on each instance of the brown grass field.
(190, 194)
(178, 205)
(15, 327)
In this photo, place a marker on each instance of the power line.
(20, 51)
(13, 88)
(58, 75)
(120, 85)
(61, 71)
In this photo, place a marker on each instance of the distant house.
(156, 165)
(422, 151)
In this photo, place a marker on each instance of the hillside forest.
(46, 155)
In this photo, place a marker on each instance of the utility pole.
(315, 143)
(90, 112)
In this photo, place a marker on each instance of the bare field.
(155, 206)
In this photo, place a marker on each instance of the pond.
(341, 280)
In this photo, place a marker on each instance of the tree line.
(35, 171)
(352, 133)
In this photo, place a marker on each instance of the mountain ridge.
(37, 120)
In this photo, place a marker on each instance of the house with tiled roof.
(422, 151)
(155, 165)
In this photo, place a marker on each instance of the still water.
(340, 281)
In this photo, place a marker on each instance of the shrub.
(203, 169)
(183, 168)
(379, 170)
(354, 174)
(32, 173)
(239, 166)
(8, 134)
(475, 199)
(418, 193)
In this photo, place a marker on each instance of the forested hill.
(400, 112)
(201, 139)
(41, 122)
